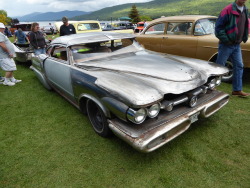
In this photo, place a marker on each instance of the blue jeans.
(39, 51)
(232, 52)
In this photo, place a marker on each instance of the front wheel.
(98, 119)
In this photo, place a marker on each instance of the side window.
(60, 53)
(157, 29)
(183, 28)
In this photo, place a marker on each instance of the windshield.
(205, 27)
(87, 26)
(93, 51)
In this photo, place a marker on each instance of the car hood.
(145, 77)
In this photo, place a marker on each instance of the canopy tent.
(125, 18)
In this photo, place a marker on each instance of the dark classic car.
(48, 29)
(143, 97)
(189, 36)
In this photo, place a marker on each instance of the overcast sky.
(24, 7)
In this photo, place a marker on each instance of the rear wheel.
(98, 119)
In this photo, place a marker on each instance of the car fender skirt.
(41, 77)
(156, 132)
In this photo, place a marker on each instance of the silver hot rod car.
(144, 97)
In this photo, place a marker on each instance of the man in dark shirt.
(231, 29)
(66, 28)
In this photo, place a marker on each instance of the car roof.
(90, 37)
(182, 18)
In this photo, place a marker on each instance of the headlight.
(137, 116)
(193, 101)
(204, 89)
(212, 84)
(218, 80)
(154, 110)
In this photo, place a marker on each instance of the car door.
(58, 70)
(153, 37)
(179, 39)
(245, 47)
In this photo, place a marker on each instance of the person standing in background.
(7, 63)
(20, 37)
(66, 28)
(231, 29)
(37, 39)
(51, 29)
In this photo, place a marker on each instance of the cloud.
(83, 5)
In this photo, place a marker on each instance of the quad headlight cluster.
(190, 98)
(138, 116)
(214, 82)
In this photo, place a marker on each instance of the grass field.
(46, 142)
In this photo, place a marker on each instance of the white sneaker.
(15, 80)
(8, 83)
(2, 79)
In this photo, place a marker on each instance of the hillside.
(159, 8)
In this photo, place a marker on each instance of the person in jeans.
(7, 63)
(231, 29)
(37, 39)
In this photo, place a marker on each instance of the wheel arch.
(213, 57)
(83, 101)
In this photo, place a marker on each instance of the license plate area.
(193, 118)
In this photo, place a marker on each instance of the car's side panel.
(245, 47)
(58, 72)
(207, 47)
(151, 42)
(183, 45)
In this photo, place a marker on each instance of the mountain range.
(50, 16)
(153, 9)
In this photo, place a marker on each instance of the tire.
(98, 119)
(228, 77)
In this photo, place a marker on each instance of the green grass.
(46, 142)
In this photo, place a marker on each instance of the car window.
(204, 27)
(179, 28)
(87, 26)
(59, 52)
(157, 29)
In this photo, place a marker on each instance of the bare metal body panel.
(119, 82)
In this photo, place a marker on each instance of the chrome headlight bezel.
(212, 83)
(137, 116)
(154, 110)
(218, 80)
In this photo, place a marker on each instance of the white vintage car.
(143, 97)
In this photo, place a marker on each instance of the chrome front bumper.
(156, 132)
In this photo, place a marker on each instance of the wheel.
(228, 77)
(98, 119)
